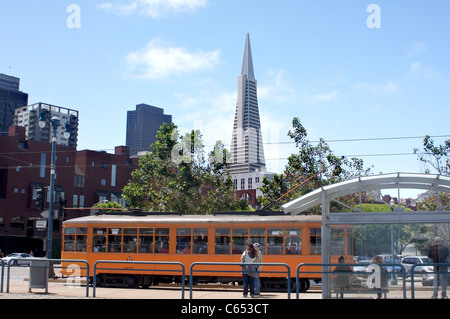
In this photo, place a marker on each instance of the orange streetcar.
(221, 237)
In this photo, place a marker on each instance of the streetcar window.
(129, 240)
(315, 241)
(70, 230)
(293, 241)
(69, 239)
(75, 239)
(275, 241)
(223, 241)
(81, 243)
(200, 241)
(82, 230)
(184, 241)
(146, 240)
(258, 235)
(114, 240)
(162, 240)
(337, 245)
(240, 239)
(99, 240)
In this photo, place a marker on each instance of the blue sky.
(347, 69)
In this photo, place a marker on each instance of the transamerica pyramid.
(247, 152)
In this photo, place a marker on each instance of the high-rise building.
(247, 151)
(11, 98)
(29, 116)
(143, 125)
(247, 164)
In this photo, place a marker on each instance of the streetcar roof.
(180, 219)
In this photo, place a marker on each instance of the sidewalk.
(19, 290)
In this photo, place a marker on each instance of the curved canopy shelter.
(323, 196)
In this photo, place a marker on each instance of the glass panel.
(184, 241)
(162, 240)
(99, 231)
(293, 241)
(81, 242)
(200, 241)
(81, 231)
(130, 231)
(223, 241)
(114, 240)
(146, 240)
(68, 231)
(183, 231)
(315, 240)
(129, 240)
(69, 242)
(99, 243)
(146, 231)
(240, 231)
(240, 240)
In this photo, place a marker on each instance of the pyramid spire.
(247, 63)
(247, 151)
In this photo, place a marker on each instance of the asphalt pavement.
(76, 289)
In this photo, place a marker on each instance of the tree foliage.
(316, 164)
(435, 158)
(175, 176)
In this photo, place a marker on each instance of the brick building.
(83, 178)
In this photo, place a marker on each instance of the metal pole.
(54, 123)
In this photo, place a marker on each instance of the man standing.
(258, 259)
(438, 254)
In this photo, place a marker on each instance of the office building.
(11, 98)
(29, 117)
(142, 126)
(247, 151)
(247, 164)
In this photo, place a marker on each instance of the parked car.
(409, 261)
(428, 281)
(23, 259)
(361, 268)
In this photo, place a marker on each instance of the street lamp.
(55, 122)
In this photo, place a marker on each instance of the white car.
(409, 261)
(23, 259)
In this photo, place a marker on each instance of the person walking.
(438, 253)
(249, 271)
(258, 259)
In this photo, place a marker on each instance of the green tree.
(109, 206)
(312, 167)
(436, 157)
(175, 176)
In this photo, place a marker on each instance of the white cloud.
(388, 88)
(417, 47)
(417, 69)
(325, 97)
(156, 61)
(153, 8)
(277, 90)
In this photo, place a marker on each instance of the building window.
(17, 223)
(103, 182)
(43, 164)
(79, 181)
(75, 200)
(3, 182)
(113, 175)
(81, 201)
(250, 183)
(242, 183)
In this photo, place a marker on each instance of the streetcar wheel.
(131, 282)
(303, 285)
